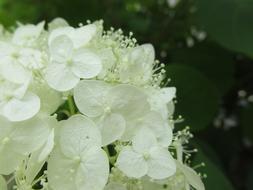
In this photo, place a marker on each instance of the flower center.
(15, 55)
(77, 159)
(107, 109)
(146, 156)
(5, 140)
(69, 62)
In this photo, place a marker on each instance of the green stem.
(71, 105)
(112, 159)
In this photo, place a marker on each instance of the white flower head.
(69, 62)
(146, 157)
(18, 140)
(80, 37)
(86, 103)
(78, 162)
(26, 35)
(114, 107)
(161, 99)
(137, 65)
(17, 103)
(57, 23)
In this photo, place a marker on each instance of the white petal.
(128, 100)
(144, 140)
(90, 96)
(3, 184)
(78, 133)
(160, 98)
(59, 32)
(27, 34)
(93, 171)
(47, 148)
(61, 48)
(6, 49)
(163, 132)
(33, 166)
(31, 58)
(166, 137)
(171, 108)
(86, 64)
(57, 23)
(132, 164)
(9, 160)
(131, 103)
(83, 35)
(112, 128)
(28, 136)
(14, 71)
(61, 171)
(161, 164)
(108, 60)
(167, 94)
(5, 127)
(149, 51)
(60, 77)
(23, 109)
(50, 99)
(192, 177)
(138, 65)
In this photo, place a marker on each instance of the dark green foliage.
(198, 99)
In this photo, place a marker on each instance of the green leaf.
(22, 11)
(246, 122)
(229, 22)
(212, 60)
(216, 179)
(249, 182)
(198, 99)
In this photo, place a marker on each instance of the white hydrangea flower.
(125, 111)
(26, 35)
(17, 104)
(18, 64)
(145, 157)
(18, 139)
(32, 164)
(11, 63)
(80, 37)
(114, 106)
(57, 23)
(68, 64)
(50, 99)
(108, 61)
(137, 65)
(160, 100)
(3, 185)
(78, 162)
(158, 125)
(184, 179)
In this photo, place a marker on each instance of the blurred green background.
(207, 46)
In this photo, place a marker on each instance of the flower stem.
(71, 105)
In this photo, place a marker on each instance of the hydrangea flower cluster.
(83, 109)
